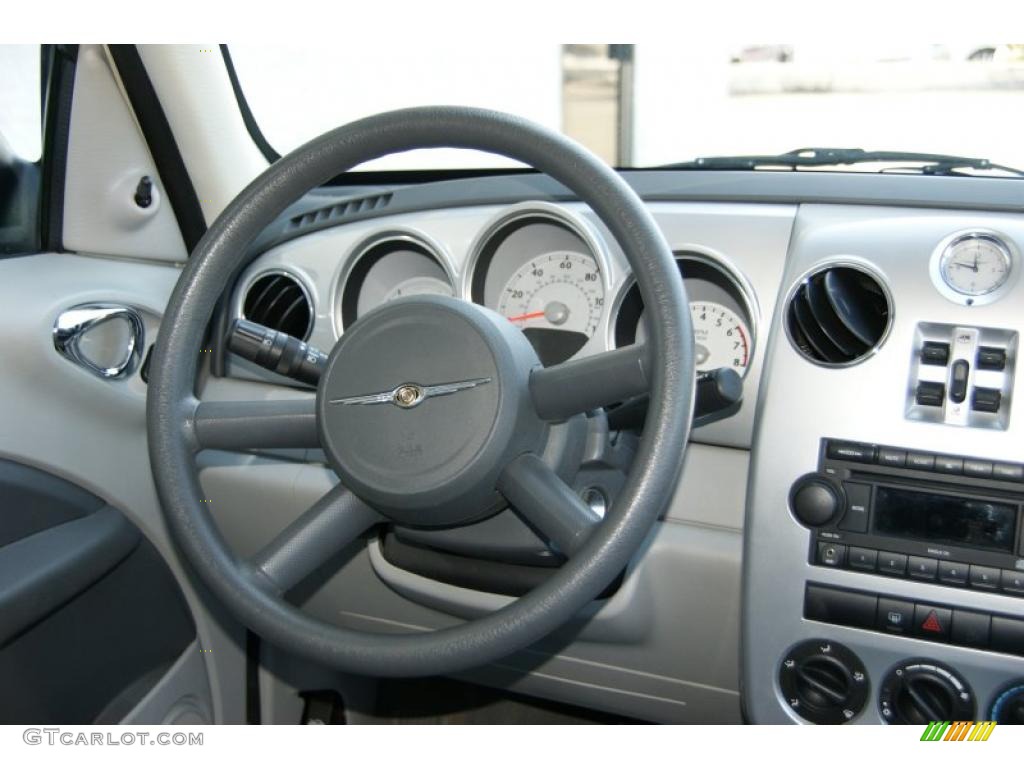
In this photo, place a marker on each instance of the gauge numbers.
(975, 264)
(557, 299)
(721, 338)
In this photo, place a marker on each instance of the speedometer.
(557, 299)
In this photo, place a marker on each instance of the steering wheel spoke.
(252, 424)
(546, 503)
(576, 386)
(331, 524)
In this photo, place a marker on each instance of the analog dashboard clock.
(974, 267)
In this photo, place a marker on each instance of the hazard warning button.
(932, 622)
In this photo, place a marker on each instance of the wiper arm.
(810, 157)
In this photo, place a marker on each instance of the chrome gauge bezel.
(727, 270)
(401, 236)
(939, 256)
(552, 212)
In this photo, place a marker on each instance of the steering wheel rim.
(174, 435)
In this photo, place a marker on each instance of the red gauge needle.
(527, 316)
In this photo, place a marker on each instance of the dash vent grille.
(341, 210)
(279, 301)
(838, 316)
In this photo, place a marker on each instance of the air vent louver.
(332, 213)
(838, 315)
(279, 301)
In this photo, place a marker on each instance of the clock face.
(975, 264)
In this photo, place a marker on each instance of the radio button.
(977, 468)
(923, 461)
(862, 559)
(923, 568)
(970, 628)
(1013, 581)
(858, 500)
(1012, 472)
(932, 622)
(951, 465)
(895, 616)
(952, 573)
(892, 563)
(984, 578)
(851, 451)
(832, 555)
(892, 457)
(1007, 635)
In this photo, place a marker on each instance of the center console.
(884, 549)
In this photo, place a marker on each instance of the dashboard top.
(787, 187)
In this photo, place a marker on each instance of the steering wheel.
(433, 412)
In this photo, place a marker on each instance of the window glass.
(20, 121)
(655, 103)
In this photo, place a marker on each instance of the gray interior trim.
(40, 573)
(899, 190)
(181, 697)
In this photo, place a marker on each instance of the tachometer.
(557, 299)
(722, 339)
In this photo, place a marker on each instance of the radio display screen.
(944, 519)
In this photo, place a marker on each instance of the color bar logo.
(961, 730)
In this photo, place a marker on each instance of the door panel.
(90, 615)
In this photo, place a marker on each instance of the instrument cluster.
(544, 267)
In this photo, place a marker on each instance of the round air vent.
(838, 315)
(279, 301)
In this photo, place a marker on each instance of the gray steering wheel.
(405, 451)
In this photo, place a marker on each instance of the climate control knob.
(1008, 707)
(922, 690)
(815, 500)
(824, 682)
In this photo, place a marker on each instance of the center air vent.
(838, 315)
(279, 301)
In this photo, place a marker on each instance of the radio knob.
(814, 500)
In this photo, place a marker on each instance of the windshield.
(652, 104)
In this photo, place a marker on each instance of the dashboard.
(848, 546)
(550, 268)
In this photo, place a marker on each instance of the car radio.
(908, 514)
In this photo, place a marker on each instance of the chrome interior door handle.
(73, 325)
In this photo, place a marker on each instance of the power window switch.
(932, 393)
(935, 353)
(986, 400)
(991, 358)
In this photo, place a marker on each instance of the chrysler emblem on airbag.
(410, 395)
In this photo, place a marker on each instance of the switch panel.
(962, 376)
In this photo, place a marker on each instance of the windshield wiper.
(811, 157)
